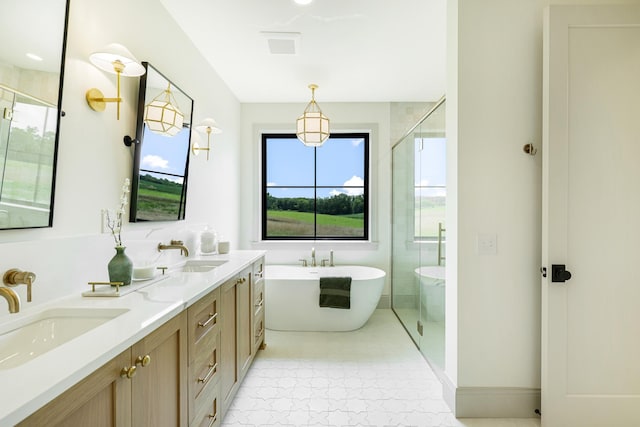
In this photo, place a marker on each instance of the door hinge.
(543, 271)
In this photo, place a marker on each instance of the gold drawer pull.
(259, 334)
(128, 372)
(143, 360)
(212, 371)
(214, 418)
(259, 303)
(212, 317)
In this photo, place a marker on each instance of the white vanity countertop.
(26, 388)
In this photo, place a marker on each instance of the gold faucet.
(15, 277)
(12, 299)
(175, 244)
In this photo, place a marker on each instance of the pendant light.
(312, 126)
(162, 115)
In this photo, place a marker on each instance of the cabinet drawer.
(258, 329)
(258, 270)
(204, 319)
(208, 407)
(258, 297)
(205, 367)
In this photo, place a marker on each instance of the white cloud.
(271, 184)
(357, 142)
(152, 161)
(355, 181)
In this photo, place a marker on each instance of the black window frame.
(366, 188)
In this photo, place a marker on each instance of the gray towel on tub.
(335, 292)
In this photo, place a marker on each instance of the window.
(430, 185)
(315, 193)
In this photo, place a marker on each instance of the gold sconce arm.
(208, 126)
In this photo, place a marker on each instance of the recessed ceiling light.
(303, 2)
(34, 57)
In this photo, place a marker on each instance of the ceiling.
(354, 50)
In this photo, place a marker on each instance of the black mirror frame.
(138, 143)
(59, 116)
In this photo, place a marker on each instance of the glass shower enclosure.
(419, 233)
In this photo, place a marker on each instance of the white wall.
(494, 105)
(93, 161)
(494, 108)
(344, 116)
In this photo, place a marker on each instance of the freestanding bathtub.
(292, 297)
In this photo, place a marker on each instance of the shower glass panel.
(419, 233)
(406, 254)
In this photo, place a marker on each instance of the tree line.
(340, 204)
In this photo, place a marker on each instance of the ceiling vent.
(281, 43)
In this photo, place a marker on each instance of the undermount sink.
(201, 265)
(35, 335)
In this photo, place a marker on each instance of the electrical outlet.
(487, 244)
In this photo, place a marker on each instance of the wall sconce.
(312, 126)
(209, 126)
(113, 58)
(162, 115)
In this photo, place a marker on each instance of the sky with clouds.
(340, 163)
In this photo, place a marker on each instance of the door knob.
(559, 273)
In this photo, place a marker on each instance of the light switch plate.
(487, 244)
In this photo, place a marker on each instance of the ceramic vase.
(120, 267)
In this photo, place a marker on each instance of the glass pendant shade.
(312, 127)
(162, 115)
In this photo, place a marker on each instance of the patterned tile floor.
(374, 376)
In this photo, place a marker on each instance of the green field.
(158, 199)
(292, 223)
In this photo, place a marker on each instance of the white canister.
(223, 247)
(208, 241)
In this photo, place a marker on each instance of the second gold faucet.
(175, 244)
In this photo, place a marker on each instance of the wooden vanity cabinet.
(103, 399)
(257, 314)
(186, 372)
(235, 338)
(204, 319)
(159, 395)
(242, 328)
(153, 393)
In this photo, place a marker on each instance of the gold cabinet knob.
(128, 372)
(143, 360)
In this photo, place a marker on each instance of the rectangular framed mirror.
(31, 75)
(161, 159)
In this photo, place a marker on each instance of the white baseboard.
(491, 402)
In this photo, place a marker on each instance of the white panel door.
(591, 217)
